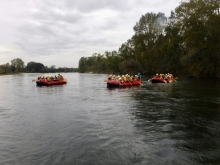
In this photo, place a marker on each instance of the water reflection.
(180, 121)
(84, 122)
(124, 88)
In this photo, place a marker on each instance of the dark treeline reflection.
(179, 121)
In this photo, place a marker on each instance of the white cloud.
(60, 32)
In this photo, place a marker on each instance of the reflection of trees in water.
(180, 120)
(200, 123)
(132, 90)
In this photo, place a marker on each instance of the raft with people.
(50, 80)
(123, 81)
(163, 78)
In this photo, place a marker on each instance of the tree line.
(187, 42)
(17, 65)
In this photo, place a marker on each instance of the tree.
(130, 66)
(147, 31)
(17, 64)
(34, 67)
(82, 65)
(127, 51)
(5, 68)
(198, 21)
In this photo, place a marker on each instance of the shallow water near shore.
(84, 122)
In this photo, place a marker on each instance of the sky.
(60, 32)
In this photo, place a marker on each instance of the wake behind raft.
(123, 81)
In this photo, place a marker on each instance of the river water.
(85, 123)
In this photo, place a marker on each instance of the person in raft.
(110, 77)
(139, 75)
(60, 77)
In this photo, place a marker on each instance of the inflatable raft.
(162, 80)
(115, 83)
(43, 82)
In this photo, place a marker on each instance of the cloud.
(60, 32)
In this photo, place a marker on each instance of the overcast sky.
(60, 32)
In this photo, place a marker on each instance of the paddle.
(175, 79)
(36, 79)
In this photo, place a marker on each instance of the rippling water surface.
(84, 122)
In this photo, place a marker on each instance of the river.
(85, 123)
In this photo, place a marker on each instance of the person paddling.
(139, 76)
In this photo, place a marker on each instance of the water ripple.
(83, 122)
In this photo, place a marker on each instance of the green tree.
(17, 64)
(127, 51)
(5, 68)
(198, 21)
(34, 67)
(82, 65)
(169, 48)
(147, 31)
